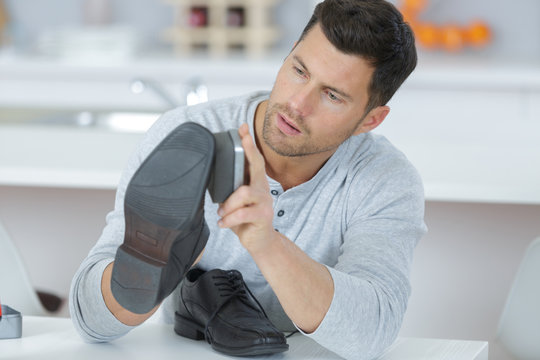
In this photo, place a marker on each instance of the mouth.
(286, 126)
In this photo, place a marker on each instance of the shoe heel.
(134, 282)
(186, 328)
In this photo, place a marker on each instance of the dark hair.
(374, 30)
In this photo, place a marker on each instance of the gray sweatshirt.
(361, 215)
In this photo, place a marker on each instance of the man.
(325, 230)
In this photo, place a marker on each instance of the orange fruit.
(414, 27)
(414, 6)
(428, 35)
(408, 16)
(452, 38)
(478, 34)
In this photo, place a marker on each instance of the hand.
(249, 210)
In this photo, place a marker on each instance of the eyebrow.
(331, 88)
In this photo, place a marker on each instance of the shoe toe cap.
(247, 333)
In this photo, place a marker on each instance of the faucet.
(196, 91)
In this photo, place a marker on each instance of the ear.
(373, 119)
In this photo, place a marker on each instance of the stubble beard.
(286, 146)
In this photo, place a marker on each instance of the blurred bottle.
(97, 12)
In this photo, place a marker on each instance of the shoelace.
(231, 287)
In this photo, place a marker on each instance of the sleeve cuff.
(327, 325)
(90, 313)
(339, 331)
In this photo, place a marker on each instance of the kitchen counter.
(65, 157)
(470, 126)
(94, 159)
(42, 81)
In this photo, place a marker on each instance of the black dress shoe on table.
(164, 217)
(217, 306)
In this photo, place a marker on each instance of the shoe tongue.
(225, 287)
(229, 282)
(194, 274)
(239, 309)
(225, 274)
(218, 272)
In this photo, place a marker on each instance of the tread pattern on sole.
(162, 200)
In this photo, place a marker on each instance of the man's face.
(318, 100)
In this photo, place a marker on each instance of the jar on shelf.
(198, 16)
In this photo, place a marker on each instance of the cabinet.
(471, 129)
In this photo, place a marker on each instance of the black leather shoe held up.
(164, 217)
(217, 306)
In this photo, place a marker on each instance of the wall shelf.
(222, 26)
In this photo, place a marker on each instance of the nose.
(302, 101)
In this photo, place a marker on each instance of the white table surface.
(55, 338)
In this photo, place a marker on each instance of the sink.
(120, 121)
(68, 149)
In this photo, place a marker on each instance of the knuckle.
(244, 191)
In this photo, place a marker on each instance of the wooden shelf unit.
(222, 26)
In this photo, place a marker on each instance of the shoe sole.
(162, 200)
(189, 329)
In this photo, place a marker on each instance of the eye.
(333, 97)
(299, 71)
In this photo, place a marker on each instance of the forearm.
(303, 286)
(90, 315)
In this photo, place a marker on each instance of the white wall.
(516, 24)
(31, 17)
(461, 275)
(464, 268)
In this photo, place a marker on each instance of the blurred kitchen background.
(32, 25)
(81, 80)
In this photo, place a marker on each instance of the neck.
(289, 171)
